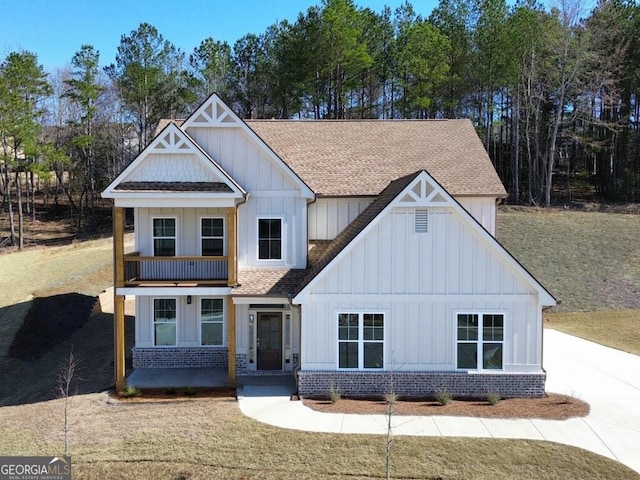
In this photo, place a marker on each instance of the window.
(164, 321)
(164, 237)
(211, 321)
(480, 341)
(421, 221)
(212, 237)
(361, 340)
(270, 238)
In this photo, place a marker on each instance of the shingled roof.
(361, 157)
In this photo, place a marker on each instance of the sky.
(55, 29)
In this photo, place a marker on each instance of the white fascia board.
(168, 202)
(264, 300)
(175, 291)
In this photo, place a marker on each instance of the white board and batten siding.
(483, 209)
(272, 194)
(188, 228)
(328, 216)
(420, 281)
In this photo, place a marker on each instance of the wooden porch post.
(232, 248)
(231, 340)
(118, 300)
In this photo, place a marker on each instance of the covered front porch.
(203, 377)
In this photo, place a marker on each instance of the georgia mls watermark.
(35, 468)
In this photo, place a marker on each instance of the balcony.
(140, 270)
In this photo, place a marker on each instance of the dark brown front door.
(269, 341)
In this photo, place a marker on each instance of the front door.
(269, 341)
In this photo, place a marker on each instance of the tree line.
(552, 91)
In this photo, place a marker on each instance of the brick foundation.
(421, 384)
(216, 357)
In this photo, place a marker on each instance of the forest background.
(553, 92)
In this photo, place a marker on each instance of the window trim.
(153, 237)
(153, 321)
(480, 342)
(282, 238)
(361, 341)
(202, 237)
(223, 322)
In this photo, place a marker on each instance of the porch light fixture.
(188, 299)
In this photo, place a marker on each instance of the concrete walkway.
(608, 379)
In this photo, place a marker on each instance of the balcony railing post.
(232, 249)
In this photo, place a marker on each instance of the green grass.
(588, 260)
(204, 438)
(614, 328)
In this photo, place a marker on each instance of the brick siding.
(421, 384)
(180, 357)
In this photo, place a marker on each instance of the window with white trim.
(421, 220)
(480, 340)
(212, 237)
(164, 237)
(165, 319)
(270, 238)
(211, 321)
(361, 340)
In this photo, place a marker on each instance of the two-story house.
(354, 254)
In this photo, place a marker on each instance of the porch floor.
(201, 377)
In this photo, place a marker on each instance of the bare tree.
(64, 391)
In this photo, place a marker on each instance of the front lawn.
(205, 438)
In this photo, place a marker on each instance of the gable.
(173, 159)
(383, 251)
(239, 149)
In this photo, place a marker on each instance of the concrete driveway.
(609, 380)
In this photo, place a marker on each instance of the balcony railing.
(207, 270)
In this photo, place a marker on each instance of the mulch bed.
(551, 407)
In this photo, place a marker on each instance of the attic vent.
(421, 224)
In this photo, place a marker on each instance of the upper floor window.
(270, 238)
(480, 338)
(164, 237)
(361, 340)
(212, 237)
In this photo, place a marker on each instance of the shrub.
(190, 391)
(443, 397)
(129, 392)
(493, 398)
(334, 394)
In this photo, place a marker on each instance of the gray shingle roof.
(361, 157)
(215, 187)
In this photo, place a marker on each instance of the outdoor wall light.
(188, 299)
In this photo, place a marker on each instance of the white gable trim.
(171, 140)
(425, 191)
(213, 112)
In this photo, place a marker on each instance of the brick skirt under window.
(217, 357)
(421, 384)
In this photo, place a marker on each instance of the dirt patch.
(551, 407)
(162, 395)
